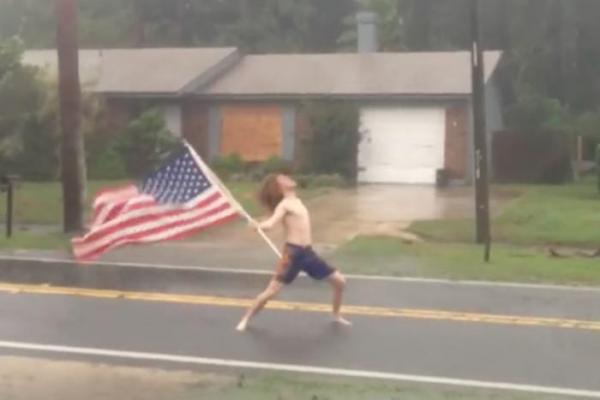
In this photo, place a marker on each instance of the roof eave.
(330, 96)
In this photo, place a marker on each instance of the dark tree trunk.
(72, 154)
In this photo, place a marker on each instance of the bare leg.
(260, 302)
(338, 283)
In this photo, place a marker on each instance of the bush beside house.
(334, 137)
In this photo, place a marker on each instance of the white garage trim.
(401, 144)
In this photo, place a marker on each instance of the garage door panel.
(401, 145)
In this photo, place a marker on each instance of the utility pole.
(482, 200)
(73, 170)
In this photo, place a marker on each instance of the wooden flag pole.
(215, 179)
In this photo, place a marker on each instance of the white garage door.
(401, 145)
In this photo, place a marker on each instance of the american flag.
(179, 199)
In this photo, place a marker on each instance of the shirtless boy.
(278, 194)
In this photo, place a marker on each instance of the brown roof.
(393, 74)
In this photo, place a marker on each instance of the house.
(415, 108)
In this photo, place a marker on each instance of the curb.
(184, 280)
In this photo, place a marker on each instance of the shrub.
(318, 181)
(273, 165)
(228, 166)
(108, 165)
(38, 159)
(145, 144)
(335, 136)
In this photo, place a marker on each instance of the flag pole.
(213, 177)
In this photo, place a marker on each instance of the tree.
(26, 131)
(145, 143)
(418, 24)
(73, 169)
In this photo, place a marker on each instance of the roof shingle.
(439, 73)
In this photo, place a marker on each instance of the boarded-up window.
(252, 131)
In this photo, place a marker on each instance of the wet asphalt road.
(544, 356)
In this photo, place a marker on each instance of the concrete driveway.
(390, 209)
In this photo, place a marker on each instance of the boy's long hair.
(270, 193)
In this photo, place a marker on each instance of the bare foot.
(242, 325)
(341, 320)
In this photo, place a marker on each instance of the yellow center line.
(368, 311)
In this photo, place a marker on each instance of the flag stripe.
(151, 224)
(108, 194)
(107, 201)
(145, 209)
(174, 230)
(109, 211)
(181, 234)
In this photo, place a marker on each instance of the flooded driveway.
(390, 209)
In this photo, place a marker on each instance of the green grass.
(41, 203)
(566, 214)
(38, 206)
(391, 256)
(300, 387)
(32, 240)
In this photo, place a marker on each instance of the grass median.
(567, 215)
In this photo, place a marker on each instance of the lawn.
(79, 380)
(38, 211)
(41, 203)
(259, 386)
(567, 214)
(564, 214)
(34, 240)
(391, 256)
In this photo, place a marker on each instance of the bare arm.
(277, 216)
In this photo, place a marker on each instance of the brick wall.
(456, 143)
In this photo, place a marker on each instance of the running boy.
(278, 194)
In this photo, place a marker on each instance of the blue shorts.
(298, 258)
